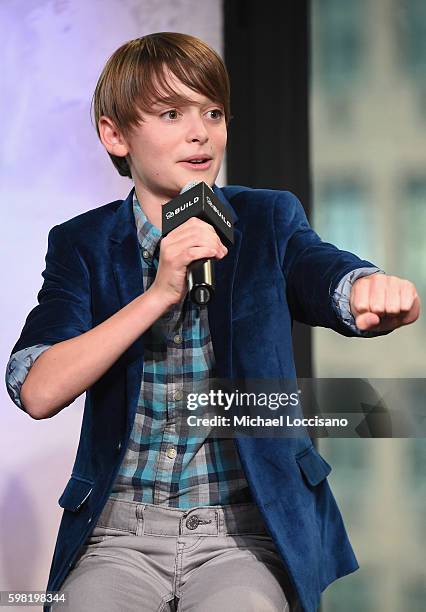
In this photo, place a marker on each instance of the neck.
(151, 205)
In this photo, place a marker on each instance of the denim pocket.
(101, 533)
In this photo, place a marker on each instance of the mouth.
(197, 165)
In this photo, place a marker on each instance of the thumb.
(367, 320)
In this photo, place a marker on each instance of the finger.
(377, 294)
(197, 252)
(413, 313)
(367, 321)
(195, 234)
(360, 296)
(180, 243)
(393, 296)
(195, 222)
(408, 294)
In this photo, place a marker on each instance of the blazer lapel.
(220, 308)
(125, 253)
(127, 270)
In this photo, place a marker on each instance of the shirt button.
(178, 395)
(145, 254)
(171, 453)
(177, 339)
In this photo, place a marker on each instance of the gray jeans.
(148, 558)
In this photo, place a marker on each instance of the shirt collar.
(148, 235)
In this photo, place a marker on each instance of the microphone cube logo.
(169, 214)
(186, 205)
(218, 212)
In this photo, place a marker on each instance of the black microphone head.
(198, 200)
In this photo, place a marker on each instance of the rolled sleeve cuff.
(17, 370)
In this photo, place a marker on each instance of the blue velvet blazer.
(277, 270)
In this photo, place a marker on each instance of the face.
(168, 136)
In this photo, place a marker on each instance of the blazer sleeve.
(313, 269)
(64, 305)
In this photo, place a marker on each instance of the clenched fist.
(380, 302)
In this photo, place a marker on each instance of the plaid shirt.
(161, 467)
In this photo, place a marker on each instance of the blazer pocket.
(76, 493)
(313, 466)
(246, 303)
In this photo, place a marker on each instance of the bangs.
(157, 87)
(153, 85)
(138, 75)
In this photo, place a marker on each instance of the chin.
(198, 176)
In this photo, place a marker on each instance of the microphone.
(197, 199)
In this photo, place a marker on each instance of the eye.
(171, 111)
(173, 114)
(219, 113)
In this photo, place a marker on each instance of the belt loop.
(221, 530)
(182, 523)
(139, 519)
(139, 511)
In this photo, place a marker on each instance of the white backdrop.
(52, 168)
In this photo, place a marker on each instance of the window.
(416, 454)
(412, 213)
(411, 35)
(356, 593)
(344, 217)
(414, 595)
(411, 41)
(340, 44)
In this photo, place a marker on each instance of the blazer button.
(119, 446)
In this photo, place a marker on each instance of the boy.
(152, 520)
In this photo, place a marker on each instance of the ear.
(112, 138)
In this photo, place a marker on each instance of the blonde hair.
(134, 78)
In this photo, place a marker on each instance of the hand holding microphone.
(198, 201)
(186, 241)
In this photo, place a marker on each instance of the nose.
(197, 130)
